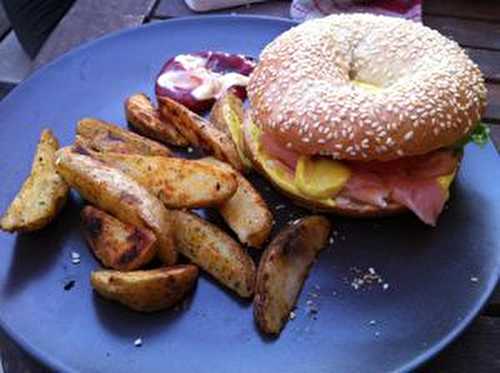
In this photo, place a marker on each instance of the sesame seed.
(408, 135)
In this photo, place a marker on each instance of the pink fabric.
(302, 10)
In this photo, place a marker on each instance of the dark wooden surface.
(90, 19)
(468, 32)
(473, 24)
(471, 9)
(4, 22)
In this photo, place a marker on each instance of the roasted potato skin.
(213, 250)
(245, 212)
(146, 291)
(178, 183)
(226, 113)
(249, 145)
(117, 245)
(217, 115)
(283, 269)
(144, 118)
(119, 195)
(200, 132)
(43, 193)
(106, 137)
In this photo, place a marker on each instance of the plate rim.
(51, 362)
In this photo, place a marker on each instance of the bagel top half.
(363, 87)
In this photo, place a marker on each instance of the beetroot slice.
(216, 62)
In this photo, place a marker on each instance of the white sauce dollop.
(217, 84)
(190, 62)
(203, 83)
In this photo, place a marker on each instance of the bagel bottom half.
(350, 208)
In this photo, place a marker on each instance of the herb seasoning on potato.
(283, 269)
(42, 195)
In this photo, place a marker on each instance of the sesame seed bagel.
(309, 89)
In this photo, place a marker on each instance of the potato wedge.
(117, 245)
(245, 212)
(250, 146)
(144, 118)
(213, 250)
(199, 132)
(227, 115)
(120, 195)
(106, 137)
(146, 291)
(283, 269)
(178, 183)
(43, 193)
(218, 116)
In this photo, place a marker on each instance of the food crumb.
(189, 149)
(138, 342)
(279, 207)
(372, 322)
(292, 315)
(474, 279)
(69, 285)
(75, 257)
(331, 240)
(367, 278)
(312, 308)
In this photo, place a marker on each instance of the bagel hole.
(364, 85)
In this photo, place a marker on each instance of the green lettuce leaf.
(480, 136)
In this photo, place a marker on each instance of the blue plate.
(438, 278)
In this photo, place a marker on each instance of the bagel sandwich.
(363, 115)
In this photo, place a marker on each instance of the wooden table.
(473, 24)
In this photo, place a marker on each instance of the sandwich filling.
(421, 183)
